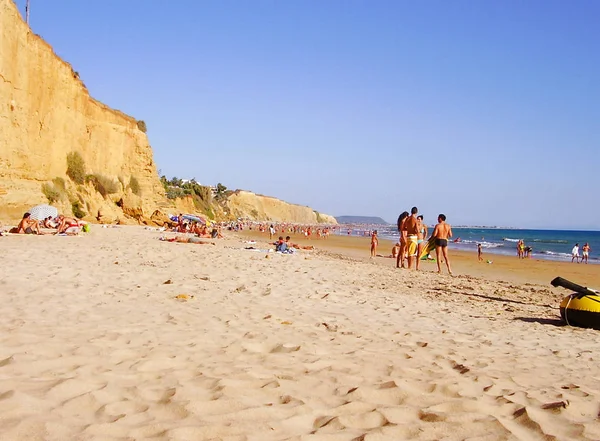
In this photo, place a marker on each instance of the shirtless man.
(442, 232)
(402, 240)
(586, 252)
(411, 226)
(28, 225)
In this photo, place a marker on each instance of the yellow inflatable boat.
(582, 308)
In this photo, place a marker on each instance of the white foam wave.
(552, 253)
(508, 239)
(483, 244)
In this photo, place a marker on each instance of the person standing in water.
(374, 243)
(442, 232)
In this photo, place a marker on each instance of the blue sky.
(488, 111)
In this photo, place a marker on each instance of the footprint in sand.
(270, 348)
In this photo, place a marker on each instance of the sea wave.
(552, 253)
(508, 239)
(484, 244)
(550, 241)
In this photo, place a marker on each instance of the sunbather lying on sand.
(69, 225)
(289, 244)
(183, 239)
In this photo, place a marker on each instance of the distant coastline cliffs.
(58, 145)
(253, 206)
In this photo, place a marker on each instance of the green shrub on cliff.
(52, 193)
(78, 210)
(142, 126)
(135, 186)
(60, 184)
(103, 184)
(76, 167)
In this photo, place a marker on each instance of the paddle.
(564, 283)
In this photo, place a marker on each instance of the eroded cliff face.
(254, 206)
(46, 113)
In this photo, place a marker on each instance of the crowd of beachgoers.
(59, 225)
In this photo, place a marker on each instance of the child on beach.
(479, 253)
(395, 250)
(374, 243)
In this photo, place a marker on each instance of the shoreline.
(502, 268)
(496, 248)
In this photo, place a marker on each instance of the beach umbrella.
(193, 218)
(41, 212)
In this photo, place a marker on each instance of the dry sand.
(314, 346)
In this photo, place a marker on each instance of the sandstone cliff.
(46, 113)
(248, 204)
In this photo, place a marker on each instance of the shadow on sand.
(494, 298)
(543, 321)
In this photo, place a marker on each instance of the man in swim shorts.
(411, 226)
(585, 252)
(442, 232)
(28, 225)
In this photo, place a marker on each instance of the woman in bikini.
(401, 255)
(421, 236)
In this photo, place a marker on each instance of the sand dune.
(94, 345)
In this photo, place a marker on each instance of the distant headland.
(369, 220)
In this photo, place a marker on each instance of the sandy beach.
(321, 345)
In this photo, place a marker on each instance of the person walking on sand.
(479, 253)
(402, 240)
(575, 253)
(411, 226)
(374, 243)
(585, 252)
(442, 232)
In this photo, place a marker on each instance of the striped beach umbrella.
(41, 212)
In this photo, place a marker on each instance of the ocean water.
(546, 244)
